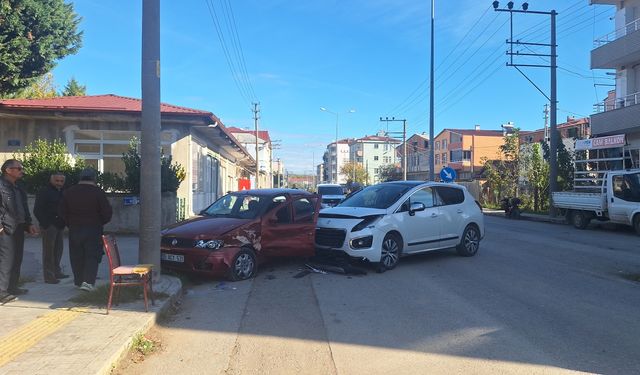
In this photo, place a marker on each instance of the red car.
(240, 230)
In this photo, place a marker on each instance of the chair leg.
(150, 282)
(144, 292)
(110, 297)
(116, 298)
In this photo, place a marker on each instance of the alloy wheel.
(244, 266)
(390, 252)
(471, 240)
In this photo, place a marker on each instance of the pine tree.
(73, 88)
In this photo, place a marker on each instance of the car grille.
(181, 242)
(330, 237)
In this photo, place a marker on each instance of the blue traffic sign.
(448, 174)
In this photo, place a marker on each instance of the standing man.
(85, 209)
(15, 220)
(52, 226)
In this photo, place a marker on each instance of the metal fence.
(181, 204)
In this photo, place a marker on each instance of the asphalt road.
(537, 298)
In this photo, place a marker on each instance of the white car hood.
(353, 212)
(327, 196)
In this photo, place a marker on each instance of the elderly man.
(16, 220)
(52, 227)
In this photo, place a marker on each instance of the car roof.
(271, 192)
(414, 183)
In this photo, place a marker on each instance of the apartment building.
(417, 157)
(619, 50)
(464, 149)
(373, 152)
(247, 138)
(334, 158)
(570, 130)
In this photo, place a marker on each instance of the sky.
(370, 56)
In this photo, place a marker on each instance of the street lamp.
(337, 116)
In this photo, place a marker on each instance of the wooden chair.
(126, 275)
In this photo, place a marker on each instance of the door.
(453, 217)
(626, 197)
(289, 228)
(420, 230)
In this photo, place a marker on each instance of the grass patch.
(101, 294)
(143, 345)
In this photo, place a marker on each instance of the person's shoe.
(18, 291)
(61, 276)
(87, 287)
(53, 281)
(6, 298)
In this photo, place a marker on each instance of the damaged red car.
(240, 230)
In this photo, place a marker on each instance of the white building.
(247, 139)
(334, 159)
(619, 50)
(374, 152)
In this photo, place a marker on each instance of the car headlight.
(361, 243)
(209, 244)
(367, 222)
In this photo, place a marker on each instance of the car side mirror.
(416, 207)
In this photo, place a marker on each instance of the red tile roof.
(262, 134)
(108, 103)
(486, 133)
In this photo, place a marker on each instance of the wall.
(126, 219)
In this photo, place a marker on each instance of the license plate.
(172, 257)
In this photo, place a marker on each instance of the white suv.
(385, 221)
(332, 194)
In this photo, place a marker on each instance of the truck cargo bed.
(580, 201)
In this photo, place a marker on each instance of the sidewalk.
(44, 333)
(528, 216)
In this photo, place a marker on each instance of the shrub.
(41, 158)
(171, 175)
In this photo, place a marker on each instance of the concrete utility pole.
(404, 143)
(553, 143)
(150, 198)
(431, 93)
(546, 122)
(256, 110)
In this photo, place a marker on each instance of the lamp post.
(336, 144)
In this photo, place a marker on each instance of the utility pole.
(150, 197)
(256, 110)
(546, 122)
(404, 143)
(275, 144)
(431, 94)
(553, 136)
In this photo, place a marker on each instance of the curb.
(529, 217)
(174, 289)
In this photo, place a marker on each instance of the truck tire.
(636, 224)
(580, 219)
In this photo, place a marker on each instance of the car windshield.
(236, 206)
(330, 190)
(376, 196)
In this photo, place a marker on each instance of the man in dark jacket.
(15, 220)
(85, 209)
(52, 227)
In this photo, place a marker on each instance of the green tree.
(537, 173)
(566, 163)
(73, 88)
(171, 174)
(43, 157)
(390, 172)
(43, 87)
(503, 173)
(352, 169)
(34, 35)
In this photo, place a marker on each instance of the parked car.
(383, 222)
(240, 230)
(332, 194)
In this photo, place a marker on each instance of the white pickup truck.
(618, 204)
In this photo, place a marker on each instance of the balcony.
(616, 116)
(617, 48)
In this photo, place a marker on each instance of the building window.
(437, 147)
(444, 158)
(375, 170)
(375, 157)
(437, 159)
(375, 145)
(466, 155)
(426, 144)
(444, 144)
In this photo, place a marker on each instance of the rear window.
(330, 190)
(450, 195)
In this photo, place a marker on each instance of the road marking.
(28, 335)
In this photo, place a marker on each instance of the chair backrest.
(111, 249)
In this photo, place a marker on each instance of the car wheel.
(243, 266)
(470, 242)
(391, 251)
(580, 219)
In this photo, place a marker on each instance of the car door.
(625, 199)
(289, 229)
(453, 217)
(420, 230)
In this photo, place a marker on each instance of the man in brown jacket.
(85, 209)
